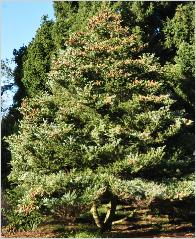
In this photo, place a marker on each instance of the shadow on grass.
(120, 231)
(136, 233)
(140, 224)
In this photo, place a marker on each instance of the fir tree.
(104, 133)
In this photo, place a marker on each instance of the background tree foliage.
(37, 63)
(19, 59)
(30, 76)
(105, 130)
(179, 34)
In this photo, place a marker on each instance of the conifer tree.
(38, 57)
(104, 132)
(72, 16)
(179, 34)
(18, 74)
(64, 12)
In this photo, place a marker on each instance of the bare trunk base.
(106, 224)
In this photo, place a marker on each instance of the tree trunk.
(96, 217)
(105, 225)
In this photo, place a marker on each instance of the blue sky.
(19, 22)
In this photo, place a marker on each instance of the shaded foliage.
(37, 63)
(179, 33)
(19, 59)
